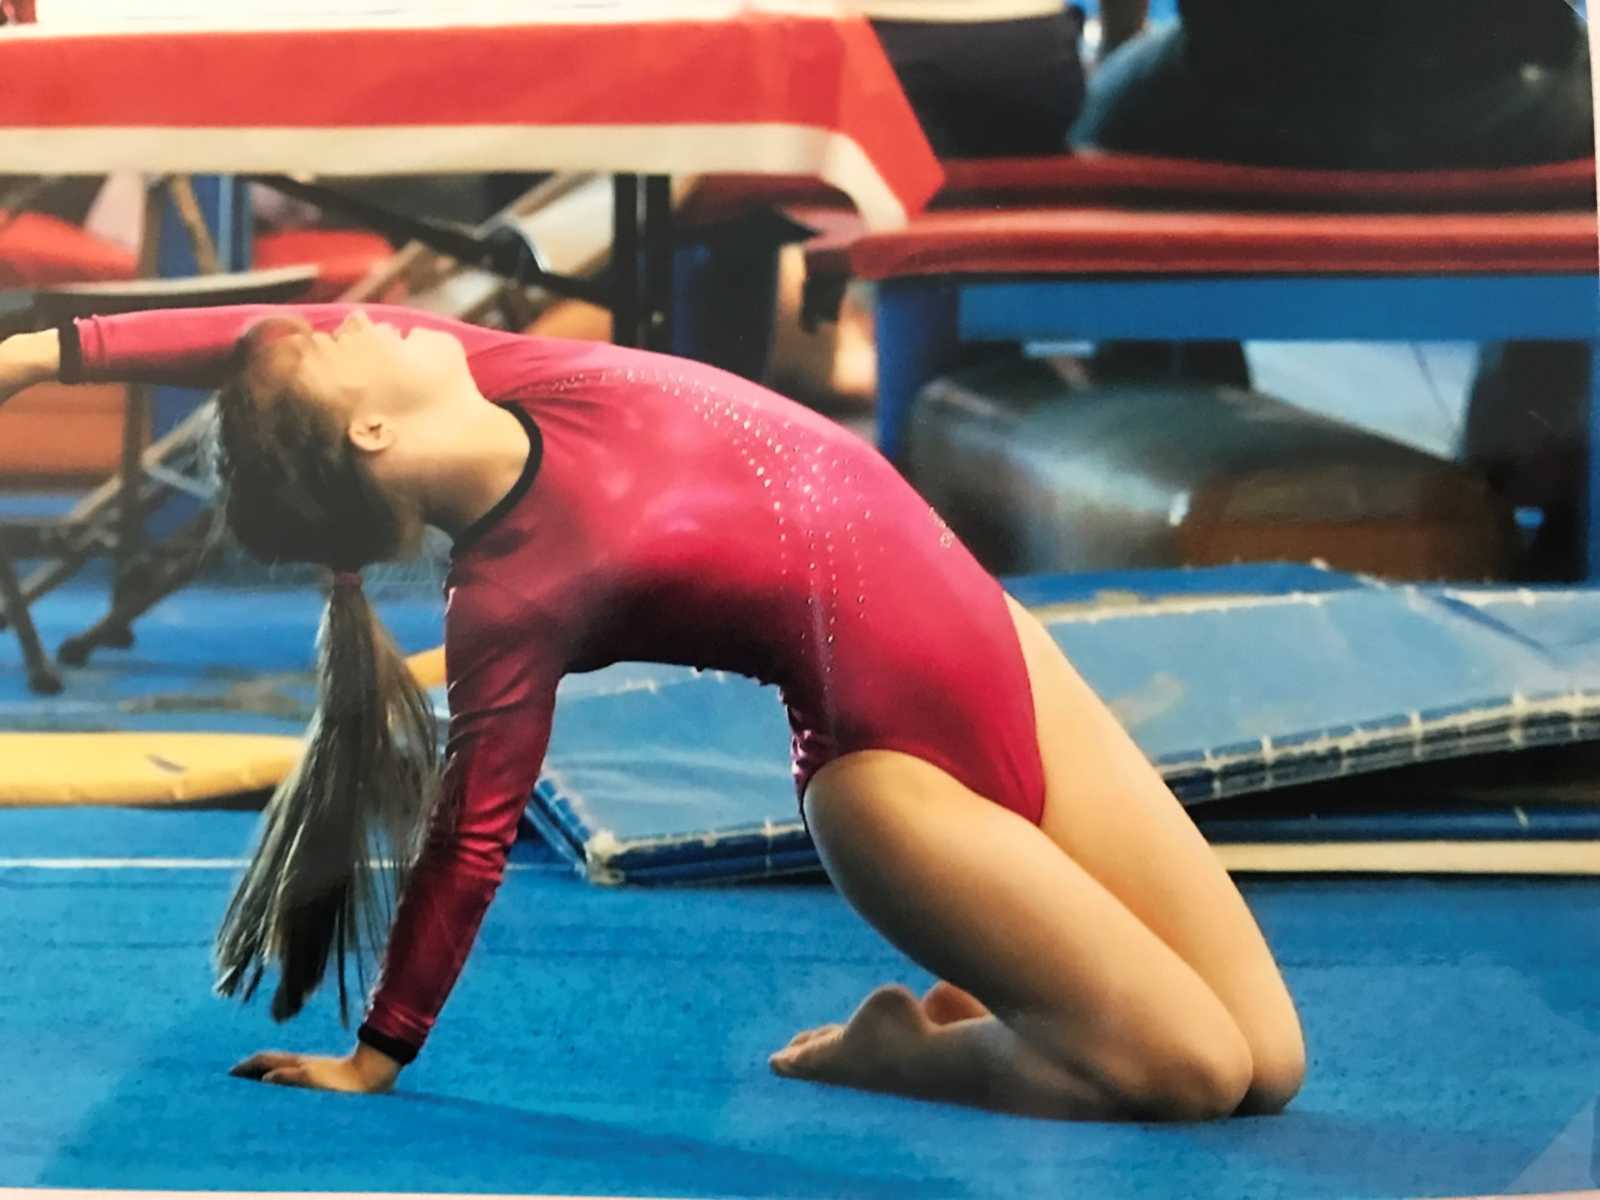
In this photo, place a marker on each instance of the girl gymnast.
(968, 794)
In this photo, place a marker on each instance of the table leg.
(130, 506)
(917, 338)
(658, 250)
(1591, 479)
(42, 676)
(136, 419)
(625, 260)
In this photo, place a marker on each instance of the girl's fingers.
(287, 1077)
(258, 1065)
(808, 1035)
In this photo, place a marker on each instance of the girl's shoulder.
(487, 619)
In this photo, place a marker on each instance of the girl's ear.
(371, 433)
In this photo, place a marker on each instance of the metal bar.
(66, 565)
(446, 239)
(194, 224)
(198, 489)
(490, 250)
(180, 561)
(90, 527)
(42, 675)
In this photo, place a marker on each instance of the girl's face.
(363, 368)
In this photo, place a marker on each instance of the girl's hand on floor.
(357, 1072)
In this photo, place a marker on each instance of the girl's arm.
(193, 347)
(502, 701)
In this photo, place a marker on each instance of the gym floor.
(612, 1042)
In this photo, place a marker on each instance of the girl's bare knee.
(1277, 1078)
(1189, 1077)
(1199, 1084)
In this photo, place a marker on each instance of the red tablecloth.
(762, 92)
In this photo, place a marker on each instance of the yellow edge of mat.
(1412, 858)
(74, 769)
(428, 667)
(66, 769)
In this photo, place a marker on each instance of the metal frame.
(638, 286)
(112, 519)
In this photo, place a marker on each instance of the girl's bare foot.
(945, 1004)
(872, 1050)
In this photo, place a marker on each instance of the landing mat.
(1234, 681)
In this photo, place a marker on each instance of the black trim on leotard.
(71, 353)
(524, 481)
(401, 1052)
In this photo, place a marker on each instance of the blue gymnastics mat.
(209, 658)
(1235, 681)
(613, 1042)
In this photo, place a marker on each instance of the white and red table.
(671, 87)
(667, 88)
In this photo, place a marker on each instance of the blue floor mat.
(208, 658)
(1234, 682)
(613, 1042)
(36, 505)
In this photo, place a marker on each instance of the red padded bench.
(1499, 255)
(1086, 241)
(1135, 181)
(1127, 180)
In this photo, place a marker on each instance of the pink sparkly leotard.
(669, 512)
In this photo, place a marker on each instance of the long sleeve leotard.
(669, 512)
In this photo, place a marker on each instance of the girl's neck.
(476, 453)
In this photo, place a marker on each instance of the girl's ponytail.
(339, 835)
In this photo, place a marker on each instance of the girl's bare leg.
(1094, 1017)
(1126, 976)
(1109, 809)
